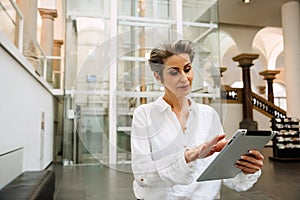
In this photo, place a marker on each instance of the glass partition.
(160, 9)
(108, 74)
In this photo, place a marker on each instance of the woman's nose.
(183, 76)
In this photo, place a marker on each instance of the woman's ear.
(157, 77)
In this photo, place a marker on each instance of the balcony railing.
(12, 22)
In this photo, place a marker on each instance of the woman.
(173, 139)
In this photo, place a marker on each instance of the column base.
(248, 124)
(35, 63)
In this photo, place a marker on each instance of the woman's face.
(178, 75)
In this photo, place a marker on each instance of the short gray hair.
(158, 56)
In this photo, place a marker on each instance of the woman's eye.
(187, 70)
(173, 72)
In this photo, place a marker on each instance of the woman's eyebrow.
(187, 64)
(177, 68)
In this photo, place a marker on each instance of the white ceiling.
(257, 13)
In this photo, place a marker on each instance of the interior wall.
(27, 109)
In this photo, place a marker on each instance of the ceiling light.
(247, 1)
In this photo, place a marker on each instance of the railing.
(44, 61)
(266, 107)
(12, 22)
(234, 95)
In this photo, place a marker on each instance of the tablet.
(222, 166)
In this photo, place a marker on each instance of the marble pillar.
(269, 76)
(245, 61)
(47, 35)
(29, 11)
(291, 37)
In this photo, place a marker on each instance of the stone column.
(57, 63)
(29, 11)
(291, 38)
(269, 76)
(47, 34)
(245, 62)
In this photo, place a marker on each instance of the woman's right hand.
(206, 149)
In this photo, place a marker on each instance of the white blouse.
(158, 144)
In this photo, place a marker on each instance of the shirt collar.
(163, 105)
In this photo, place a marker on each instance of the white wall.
(23, 100)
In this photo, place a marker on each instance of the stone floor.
(280, 180)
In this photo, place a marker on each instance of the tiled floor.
(280, 180)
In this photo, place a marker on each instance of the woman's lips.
(185, 86)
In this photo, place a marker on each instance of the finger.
(216, 139)
(252, 160)
(244, 164)
(246, 170)
(220, 145)
(247, 167)
(256, 154)
(221, 136)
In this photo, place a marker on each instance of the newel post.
(245, 61)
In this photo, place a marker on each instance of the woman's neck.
(180, 106)
(175, 102)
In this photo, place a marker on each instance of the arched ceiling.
(257, 13)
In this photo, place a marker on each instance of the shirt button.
(142, 180)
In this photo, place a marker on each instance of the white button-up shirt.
(158, 144)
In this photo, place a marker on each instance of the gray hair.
(158, 56)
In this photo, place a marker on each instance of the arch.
(269, 42)
(226, 42)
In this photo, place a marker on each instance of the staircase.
(269, 109)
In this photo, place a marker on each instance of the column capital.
(48, 13)
(269, 74)
(222, 70)
(58, 42)
(245, 59)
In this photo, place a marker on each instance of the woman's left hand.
(251, 162)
